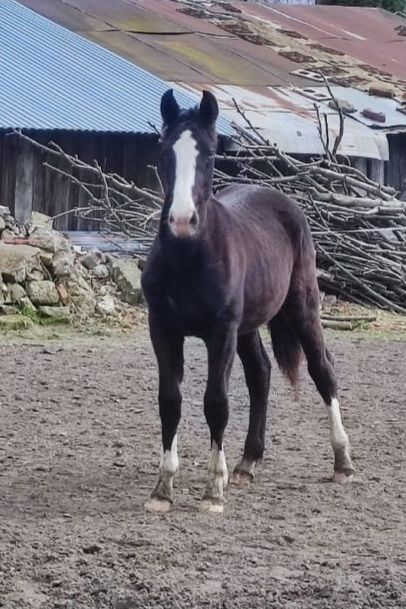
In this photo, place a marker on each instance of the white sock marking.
(217, 463)
(339, 438)
(169, 459)
(186, 153)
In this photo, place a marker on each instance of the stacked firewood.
(358, 225)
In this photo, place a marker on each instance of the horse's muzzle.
(185, 225)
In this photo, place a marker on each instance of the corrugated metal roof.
(370, 35)
(248, 51)
(242, 43)
(171, 40)
(288, 119)
(51, 78)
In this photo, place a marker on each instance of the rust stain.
(247, 43)
(146, 22)
(221, 67)
(366, 35)
(288, 104)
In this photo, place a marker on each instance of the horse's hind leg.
(305, 319)
(257, 369)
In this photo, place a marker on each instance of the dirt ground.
(79, 448)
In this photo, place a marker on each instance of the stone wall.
(43, 276)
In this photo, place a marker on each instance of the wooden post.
(377, 170)
(361, 164)
(24, 190)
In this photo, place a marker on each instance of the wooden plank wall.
(126, 154)
(396, 168)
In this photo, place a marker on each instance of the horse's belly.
(257, 316)
(264, 297)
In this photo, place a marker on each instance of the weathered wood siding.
(396, 168)
(126, 154)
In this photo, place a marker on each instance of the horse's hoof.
(159, 506)
(241, 478)
(211, 506)
(343, 477)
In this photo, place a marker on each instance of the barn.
(89, 75)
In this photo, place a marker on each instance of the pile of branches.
(118, 206)
(358, 225)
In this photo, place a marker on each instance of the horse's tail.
(286, 348)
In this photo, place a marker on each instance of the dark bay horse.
(220, 267)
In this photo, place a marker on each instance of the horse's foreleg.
(169, 352)
(221, 351)
(257, 370)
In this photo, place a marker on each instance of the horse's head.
(188, 147)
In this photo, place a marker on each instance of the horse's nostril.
(193, 219)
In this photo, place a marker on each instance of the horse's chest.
(188, 298)
(192, 307)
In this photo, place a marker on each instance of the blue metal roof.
(51, 78)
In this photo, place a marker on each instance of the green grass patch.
(40, 320)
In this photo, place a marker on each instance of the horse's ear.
(169, 107)
(209, 109)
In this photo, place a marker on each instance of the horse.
(219, 268)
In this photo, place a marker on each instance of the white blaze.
(186, 153)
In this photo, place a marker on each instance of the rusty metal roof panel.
(328, 22)
(154, 16)
(194, 59)
(51, 78)
(84, 15)
(195, 49)
(152, 59)
(390, 59)
(66, 15)
(212, 58)
(370, 35)
(279, 69)
(354, 46)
